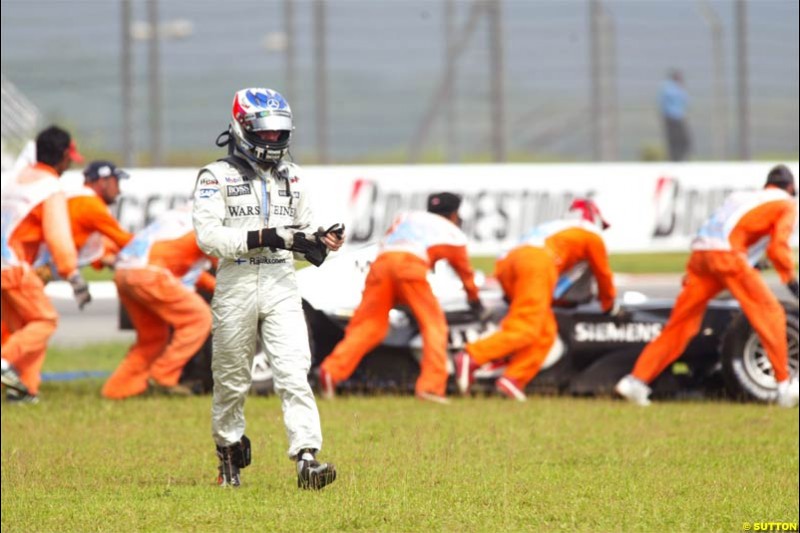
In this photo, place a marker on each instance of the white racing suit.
(256, 293)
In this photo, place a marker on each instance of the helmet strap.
(224, 139)
(281, 171)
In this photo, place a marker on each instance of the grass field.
(626, 263)
(657, 263)
(77, 463)
(670, 263)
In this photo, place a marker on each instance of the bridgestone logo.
(611, 332)
(239, 190)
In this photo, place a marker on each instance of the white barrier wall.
(651, 207)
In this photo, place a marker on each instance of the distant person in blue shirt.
(673, 103)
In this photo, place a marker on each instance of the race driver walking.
(251, 209)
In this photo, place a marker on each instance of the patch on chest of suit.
(282, 210)
(285, 193)
(239, 190)
(244, 210)
(236, 179)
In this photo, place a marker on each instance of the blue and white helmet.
(257, 110)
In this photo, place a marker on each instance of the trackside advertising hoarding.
(652, 207)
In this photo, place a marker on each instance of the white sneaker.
(465, 371)
(327, 387)
(634, 390)
(788, 393)
(510, 389)
(432, 397)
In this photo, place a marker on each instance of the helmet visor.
(277, 119)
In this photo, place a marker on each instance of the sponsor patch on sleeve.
(206, 193)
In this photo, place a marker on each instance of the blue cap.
(103, 169)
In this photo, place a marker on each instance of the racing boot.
(232, 459)
(11, 379)
(465, 371)
(634, 390)
(788, 393)
(311, 474)
(510, 389)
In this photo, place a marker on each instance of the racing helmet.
(586, 209)
(257, 110)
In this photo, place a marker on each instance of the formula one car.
(592, 352)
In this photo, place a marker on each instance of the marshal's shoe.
(432, 397)
(327, 387)
(788, 393)
(510, 389)
(16, 397)
(10, 378)
(179, 389)
(465, 371)
(634, 390)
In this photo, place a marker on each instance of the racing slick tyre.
(746, 369)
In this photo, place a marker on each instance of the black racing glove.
(274, 238)
(291, 238)
(793, 287)
(80, 289)
(337, 229)
(313, 249)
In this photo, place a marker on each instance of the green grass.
(670, 263)
(662, 263)
(95, 357)
(78, 463)
(630, 263)
(92, 274)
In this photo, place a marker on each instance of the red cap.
(74, 154)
